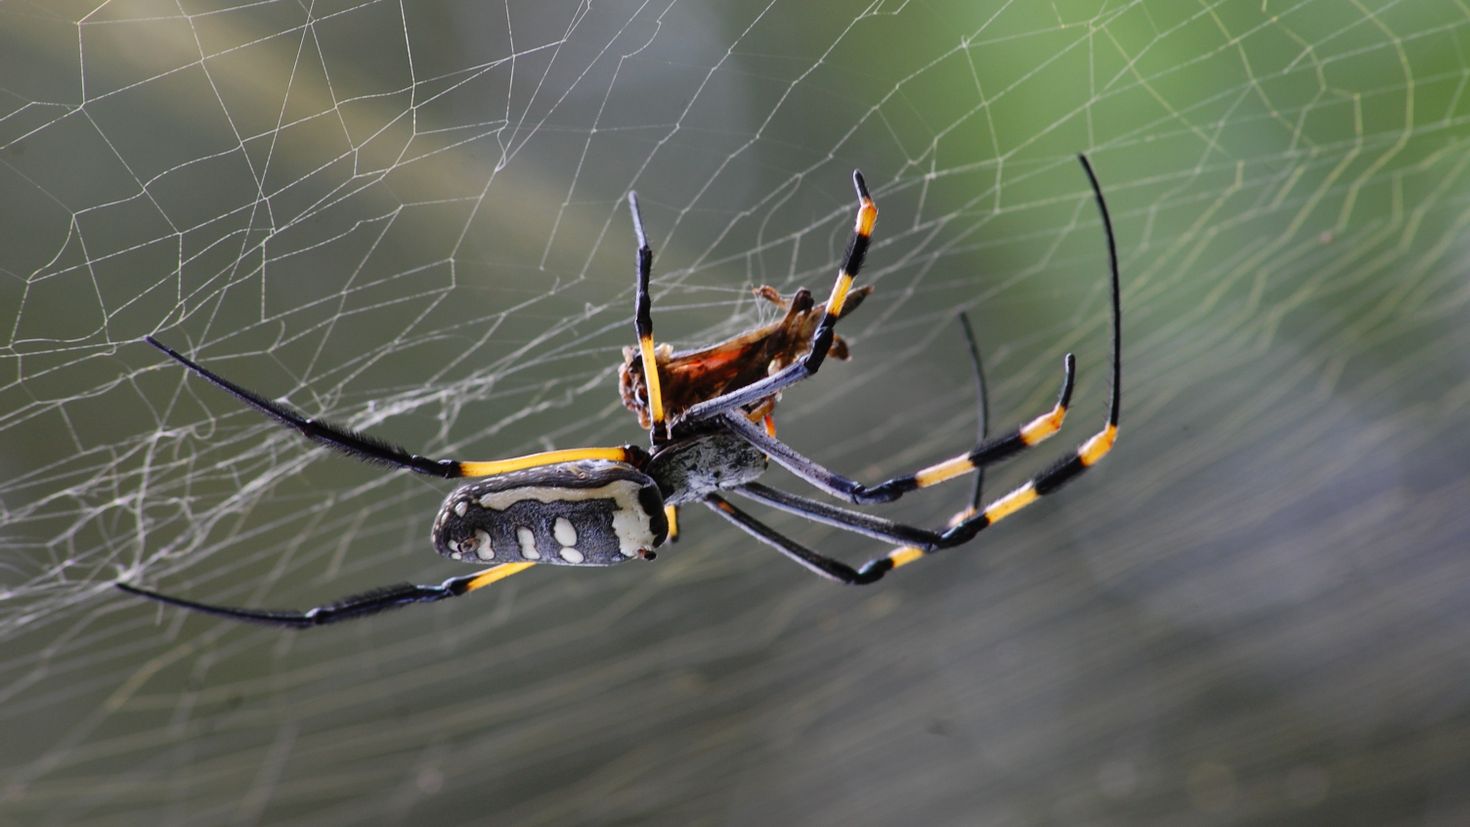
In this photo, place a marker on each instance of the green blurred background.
(408, 217)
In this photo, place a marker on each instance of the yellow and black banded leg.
(988, 452)
(968, 523)
(372, 449)
(917, 540)
(348, 608)
(671, 514)
(819, 564)
(964, 530)
(971, 522)
(811, 361)
(643, 326)
(810, 560)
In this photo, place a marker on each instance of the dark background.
(409, 218)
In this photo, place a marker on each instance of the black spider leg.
(818, 564)
(811, 361)
(877, 527)
(988, 452)
(982, 423)
(847, 519)
(348, 608)
(374, 450)
(643, 327)
(1044, 483)
(358, 444)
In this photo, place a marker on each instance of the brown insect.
(692, 376)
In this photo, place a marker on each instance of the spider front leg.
(372, 449)
(643, 327)
(811, 361)
(972, 521)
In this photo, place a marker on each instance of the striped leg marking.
(643, 323)
(371, 449)
(489, 468)
(811, 361)
(968, 524)
(986, 453)
(963, 526)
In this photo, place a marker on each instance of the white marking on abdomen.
(527, 539)
(564, 531)
(571, 555)
(631, 524)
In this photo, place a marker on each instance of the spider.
(603, 506)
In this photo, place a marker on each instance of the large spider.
(601, 506)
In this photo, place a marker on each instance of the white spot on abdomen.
(571, 555)
(564, 531)
(483, 549)
(527, 539)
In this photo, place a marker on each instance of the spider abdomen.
(589, 513)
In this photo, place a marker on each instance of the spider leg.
(847, 519)
(920, 543)
(372, 449)
(966, 524)
(982, 427)
(1090, 452)
(818, 564)
(1047, 482)
(348, 608)
(811, 361)
(643, 325)
(988, 452)
(982, 400)
(878, 527)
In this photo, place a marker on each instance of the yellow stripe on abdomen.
(490, 468)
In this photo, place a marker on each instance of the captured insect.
(603, 506)
(692, 376)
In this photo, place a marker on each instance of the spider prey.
(693, 376)
(600, 506)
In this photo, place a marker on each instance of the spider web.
(409, 218)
